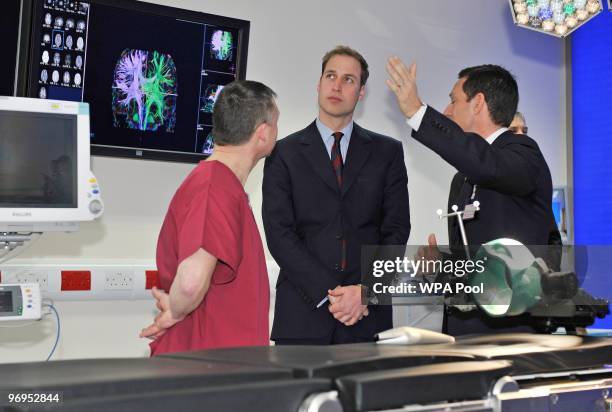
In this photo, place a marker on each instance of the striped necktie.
(337, 165)
(336, 157)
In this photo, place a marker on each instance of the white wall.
(287, 41)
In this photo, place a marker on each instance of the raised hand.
(402, 82)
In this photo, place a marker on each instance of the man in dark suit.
(327, 190)
(506, 173)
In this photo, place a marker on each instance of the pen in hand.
(325, 299)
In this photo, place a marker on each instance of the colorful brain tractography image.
(209, 145)
(145, 91)
(210, 97)
(222, 44)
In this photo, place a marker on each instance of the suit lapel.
(358, 153)
(316, 155)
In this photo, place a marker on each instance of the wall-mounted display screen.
(150, 73)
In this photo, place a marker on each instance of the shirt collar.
(326, 132)
(493, 136)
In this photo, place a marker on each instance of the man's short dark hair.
(347, 51)
(240, 108)
(498, 87)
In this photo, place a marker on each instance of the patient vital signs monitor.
(45, 172)
(20, 302)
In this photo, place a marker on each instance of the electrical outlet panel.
(119, 280)
(72, 282)
(28, 276)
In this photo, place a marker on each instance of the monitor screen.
(38, 154)
(6, 301)
(150, 73)
(45, 176)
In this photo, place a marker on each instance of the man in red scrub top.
(214, 282)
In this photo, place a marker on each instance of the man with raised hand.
(505, 173)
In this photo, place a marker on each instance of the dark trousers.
(340, 335)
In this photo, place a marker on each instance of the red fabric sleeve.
(213, 223)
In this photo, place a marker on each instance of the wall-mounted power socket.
(28, 276)
(116, 279)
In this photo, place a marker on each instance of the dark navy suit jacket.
(514, 188)
(306, 216)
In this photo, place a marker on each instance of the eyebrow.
(336, 72)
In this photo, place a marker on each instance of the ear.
(260, 131)
(479, 103)
(362, 92)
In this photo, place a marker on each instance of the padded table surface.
(102, 377)
(328, 361)
(366, 376)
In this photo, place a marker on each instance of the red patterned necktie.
(337, 165)
(336, 157)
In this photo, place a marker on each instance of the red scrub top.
(211, 210)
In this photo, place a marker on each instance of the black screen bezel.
(242, 27)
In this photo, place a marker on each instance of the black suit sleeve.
(395, 225)
(510, 168)
(306, 273)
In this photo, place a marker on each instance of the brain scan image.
(80, 43)
(81, 25)
(59, 21)
(221, 45)
(145, 91)
(78, 62)
(45, 57)
(57, 40)
(55, 76)
(66, 77)
(48, 19)
(70, 24)
(46, 38)
(42, 93)
(69, 41)
(44, 76)
(67, 60)
(77, 79)
(210, 97)
(209, 145)
(56, 59)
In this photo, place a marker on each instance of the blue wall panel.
(592, 150)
